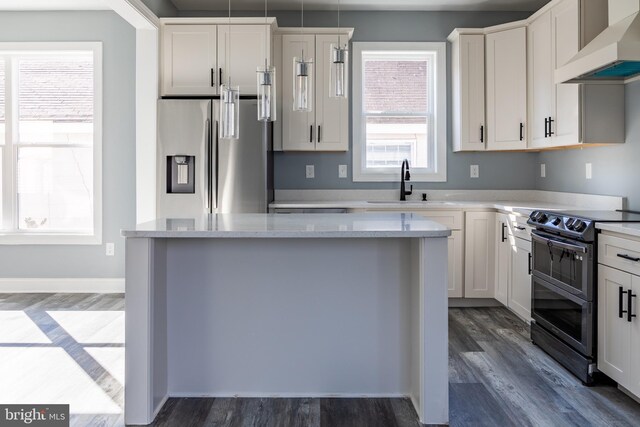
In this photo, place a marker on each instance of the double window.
(399, 111)
(50, 142)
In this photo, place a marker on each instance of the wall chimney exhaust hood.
(614, 55)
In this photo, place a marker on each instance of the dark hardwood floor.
(497, 377)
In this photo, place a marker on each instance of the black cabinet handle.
(319, 134)
(220, 76)
(546, 127)
(620, 302)
(530, 264)
(627, 257)
(550, 131)
(630, 298)
(213, 77)
(311, 133)
(504, 227)
(482, 133)
(521, 131)
(517, 227)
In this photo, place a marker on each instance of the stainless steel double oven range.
(564, 285)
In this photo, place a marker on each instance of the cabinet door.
(332, 114)
(566, 44)
(189, 60)
(507, 89)
(456, 253)
(520, 291)
(473, 131)
(298, 128)
(541, 82)
(479, 255)
(614, 346)
(503, 258)
(634, 385)
(241, 50)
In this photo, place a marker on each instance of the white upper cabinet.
(468, 85)
(569, 114)
(507, 89)
(249, 45)
(326, 127)
(197, 57)
(189, 60)
(332, 114)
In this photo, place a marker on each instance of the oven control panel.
(563, 225)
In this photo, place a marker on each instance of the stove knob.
(570, 223)
(542, 218)
(556, 221)
(579, 226)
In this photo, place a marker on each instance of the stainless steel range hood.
(614, 55)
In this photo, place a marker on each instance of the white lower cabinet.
(479, 255)
(520, 281)
(456, 254)
(503, 258)
(619, 334)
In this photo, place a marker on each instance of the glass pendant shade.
(302, 84)
(339, 71)
(266, 94)
(229, 112)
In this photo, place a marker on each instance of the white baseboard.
(61, 285)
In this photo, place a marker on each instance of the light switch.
(589, 171)
(311, 173)
(543, 170)
(342, 171)
(475, 171)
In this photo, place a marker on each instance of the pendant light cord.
(266, 36)
(229, 48)
(302, 27)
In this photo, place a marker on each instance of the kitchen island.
(260, 305)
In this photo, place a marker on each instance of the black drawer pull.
(627, 257)
(620, 302)
(630, 298)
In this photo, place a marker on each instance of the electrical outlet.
(475, 171)
(311, 171)
(110, 249)
(543, 170)
(589, 171)
(342, 171)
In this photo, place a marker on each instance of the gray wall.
(118, 160)
(615, 168)
(497, 170)
(161, 8)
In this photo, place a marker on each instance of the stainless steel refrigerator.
(199, 173)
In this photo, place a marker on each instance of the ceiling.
(433, 5)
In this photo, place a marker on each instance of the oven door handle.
(558, 243)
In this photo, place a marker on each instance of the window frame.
(10, 234)
(360, 172)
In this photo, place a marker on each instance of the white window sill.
(49, 239)
(395, 177)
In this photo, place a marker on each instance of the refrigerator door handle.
(207, 162)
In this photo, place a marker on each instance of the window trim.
(440, 133)
(9, 194)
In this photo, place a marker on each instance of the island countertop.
(350, 225)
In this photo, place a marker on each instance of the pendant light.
(339, 60)
(229, 99)
(303, 78)
(266, 83)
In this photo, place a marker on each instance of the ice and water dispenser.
(181, 174)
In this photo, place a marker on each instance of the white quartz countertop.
(352, 225)
(628, 228)
(520, 207)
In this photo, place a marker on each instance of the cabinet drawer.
(521, 229)
(451, 219)
(619, 253)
